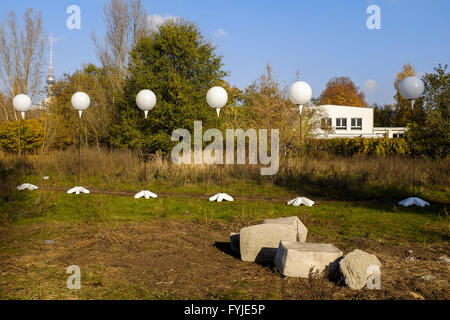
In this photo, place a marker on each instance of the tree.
(233, 113)
(31, 132)
(403, 114)
(62, 119)
(125, 23)
(383, 115)
(433, 139)
(342, 92)
(266, 106)
(179, 66)
(21, 59)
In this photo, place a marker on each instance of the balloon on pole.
(300, 94)
(217, 98)
(411, 88)
(80, 101)
(22, 103)
(146, 101)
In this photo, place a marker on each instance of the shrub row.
(356, 146)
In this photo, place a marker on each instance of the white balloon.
(411, 88)
(22, 103)
(217, 97)
(146, 100)
(300, 93)
(80, 101)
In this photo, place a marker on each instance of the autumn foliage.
(342, 91)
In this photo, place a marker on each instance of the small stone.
(428, 277)
(416, 295)
(444, 259)
(355, 266)
(295, 222)
(259, 243)
(295, 259)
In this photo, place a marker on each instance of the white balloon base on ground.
(221, 197)
(78, 190)
(27, 186)
(146, 194)
(413, 201)
(299, 201)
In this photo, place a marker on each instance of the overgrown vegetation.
(320, 174)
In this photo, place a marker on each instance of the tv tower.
(51, 78)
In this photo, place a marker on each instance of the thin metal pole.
(301, 139)
(20, 129)
(145, 168)
(413, 151)
(24, 151)
(79, 149)
(20, 147)
(220, 164)
(300, 131)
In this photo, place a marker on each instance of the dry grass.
(322, 175)
(128, 165)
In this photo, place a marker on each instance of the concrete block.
(294, 259)
(295, 222)
(259, 243)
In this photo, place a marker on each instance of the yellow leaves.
(343, 92)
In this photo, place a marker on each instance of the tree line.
(179, 65)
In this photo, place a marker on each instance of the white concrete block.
(259, 243)
(294, 259)
(295, 222)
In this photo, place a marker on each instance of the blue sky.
(320, 38)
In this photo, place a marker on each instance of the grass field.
(176, 246)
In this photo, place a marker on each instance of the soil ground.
(176, 259)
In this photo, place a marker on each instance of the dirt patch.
(168, 259)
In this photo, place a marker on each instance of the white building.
(351, 122)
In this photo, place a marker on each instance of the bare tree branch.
(21, 57)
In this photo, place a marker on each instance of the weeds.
(330, 176)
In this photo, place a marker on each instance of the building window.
(341, 123)
(356, 123)
(325, 123)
